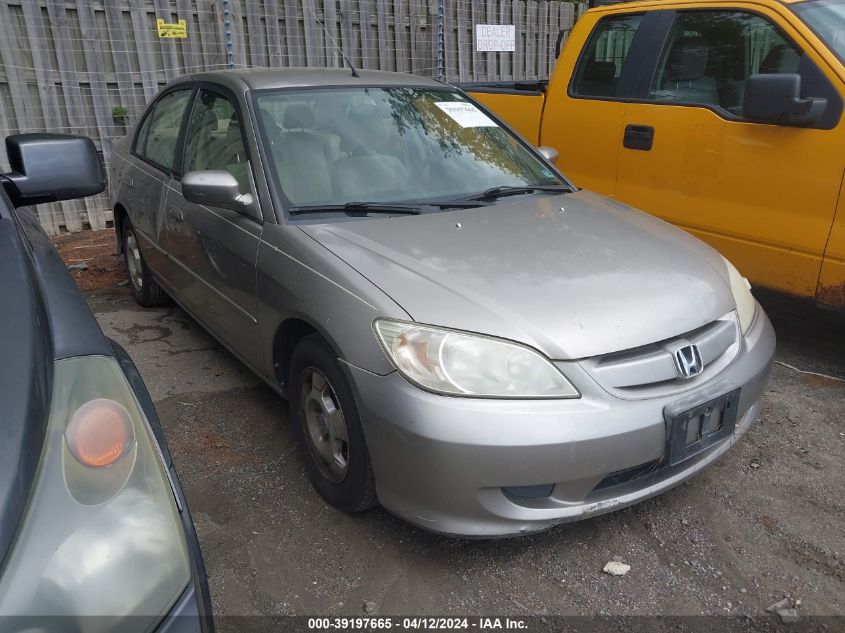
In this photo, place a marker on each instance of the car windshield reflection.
(328, 147)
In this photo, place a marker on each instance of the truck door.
(584, 108)
(762, 194)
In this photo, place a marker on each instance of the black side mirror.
(52, 167)
(776, 98)
(215, 188)
(559, 42)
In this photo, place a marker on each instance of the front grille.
(650, 370)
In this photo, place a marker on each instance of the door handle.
(129, 182)
(640, 137)
(175, 213)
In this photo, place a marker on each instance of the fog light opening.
(529, 492)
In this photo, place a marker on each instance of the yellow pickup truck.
(723, 117)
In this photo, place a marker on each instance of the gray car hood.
(573, 275)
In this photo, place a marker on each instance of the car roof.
(270, 78)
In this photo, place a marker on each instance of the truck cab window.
(600, 66)
(710, 54)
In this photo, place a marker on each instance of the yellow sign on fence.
(177, 30)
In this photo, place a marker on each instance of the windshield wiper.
(494, 193)
(356, 209)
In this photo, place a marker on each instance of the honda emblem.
(688, 361)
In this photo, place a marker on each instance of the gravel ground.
(763, 524)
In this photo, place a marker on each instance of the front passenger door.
(215, 248)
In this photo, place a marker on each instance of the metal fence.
(90, 67)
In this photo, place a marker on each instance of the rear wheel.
(145, 290)
(328, 429)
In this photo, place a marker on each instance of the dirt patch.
(91, 257)
(819, 380)
(215, 447)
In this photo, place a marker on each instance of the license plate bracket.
(691, 430)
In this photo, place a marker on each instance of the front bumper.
(443, 463)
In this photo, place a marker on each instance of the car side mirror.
(776, 98)
(52, 167)
(549, 153)
(215, 188)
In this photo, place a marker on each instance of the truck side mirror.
(776, 98)
(51, 167)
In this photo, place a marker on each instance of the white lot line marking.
(808, 373)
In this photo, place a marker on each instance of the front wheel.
(328, 429)
(145, 290)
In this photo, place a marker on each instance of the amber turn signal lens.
(99, 433)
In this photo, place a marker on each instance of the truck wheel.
(328, 429)
(145, 290)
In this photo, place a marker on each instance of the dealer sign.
(495, 37)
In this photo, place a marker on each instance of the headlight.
(746, 306)
(102, 535)
(463, 364)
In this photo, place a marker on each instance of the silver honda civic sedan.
(464, 336)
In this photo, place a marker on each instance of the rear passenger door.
(145, 184)
(214, 249)
(764, 195)
(583, 120)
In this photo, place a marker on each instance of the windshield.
(388, 145)
(827, 19)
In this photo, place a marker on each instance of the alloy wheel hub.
(325, 425)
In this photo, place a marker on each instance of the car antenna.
(336, 45)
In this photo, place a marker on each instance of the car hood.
(573, 275)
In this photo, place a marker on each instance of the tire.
(145, 290)
(339, 469)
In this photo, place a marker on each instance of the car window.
(600, 66)
(710, 54)
(214, 139)
(164, 124)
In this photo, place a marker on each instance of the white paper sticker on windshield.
(466, 114)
